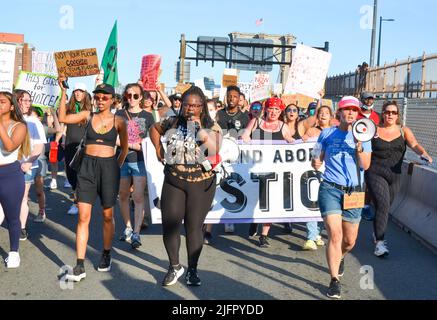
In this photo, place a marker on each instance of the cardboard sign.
(229, 80)
(327, 102)
(354, 200)
(182, 87)
(150, 71)
(77, 63)
(7, 66)
(44, 89)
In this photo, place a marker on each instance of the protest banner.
(7, 67)
(44, 63)
(149, 71)
(77, 63)
(261, 87)
(299, 100)
(252, 190)
(43, 89)
(308, 71)
(246, 88)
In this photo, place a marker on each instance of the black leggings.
(188, 201)
(70, 150)
(383, 184)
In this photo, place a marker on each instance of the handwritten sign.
(308, 71)
(44, 62)
(246, 88)
(300, 100)
(150, 71)
(261, 87)
(7, 66)
(182, 87)
(44, 89)
(77, 63)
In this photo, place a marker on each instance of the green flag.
(109, 61)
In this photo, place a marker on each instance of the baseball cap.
(104, 88)
(367, 95)
(349, 101)
(80, 86)
(275, 102)
(312, 105)
(176, 96)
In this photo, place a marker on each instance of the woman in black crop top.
(99, 173)
(189, 187)
(384, 175)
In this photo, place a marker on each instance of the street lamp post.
(379, 41)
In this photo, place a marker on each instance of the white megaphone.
(229, 152)
(364, 130)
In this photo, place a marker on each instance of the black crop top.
(106, 139)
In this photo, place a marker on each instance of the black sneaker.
(191, 277)
(263, 243)
(105, 263)
(77, 275)
(207, 237)
(172, 275)
(23, 235)
(341, 268)
(253, 229)
(334, 290)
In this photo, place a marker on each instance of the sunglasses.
(389, 112)
(256, 107)
(102, 98)
(292, 111)
(134, 96)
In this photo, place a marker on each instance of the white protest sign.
(261, 87)
(269, 183)
(308, 71)
(277, 89)
(44, 89)
(246, 88)
(7, 66)
(44, 62)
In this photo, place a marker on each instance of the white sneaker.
(127, 234)
(53, 184)
(41, 217)
(67, 184)
(229, 228)
(319, 241)
(13, 260)
(381, 249)
(73, 210)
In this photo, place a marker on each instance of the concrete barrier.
(415, 206)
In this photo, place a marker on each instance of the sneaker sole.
(333, 296)
(193, 284)
(178, 275)
(75, 278)
(385, 254)
(23, 239)
(135, 245)
(105, 269)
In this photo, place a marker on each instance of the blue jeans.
(313, 230)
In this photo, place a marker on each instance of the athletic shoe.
(172, 276)
(309, 245)
(105, 263)
(13, 260)
(334, 290)
(127, 234)
(319, 241)
(41, 217)
(263, 242)
(73, 210)
(53, 184)
(192, 278)
(341, 268)
(135, 241)
(24, 235)
(67, 184)
(253, 230)
(381, 249)
(229, 228)
(77, 275)
(207, 237)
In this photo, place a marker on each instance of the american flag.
(259, 22)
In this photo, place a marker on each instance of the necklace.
(103, 127)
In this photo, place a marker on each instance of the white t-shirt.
(36, 133)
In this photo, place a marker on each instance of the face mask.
(312, 112)
(363, 106)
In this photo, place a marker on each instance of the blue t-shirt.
(340, 156)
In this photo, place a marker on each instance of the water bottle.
(53, 154)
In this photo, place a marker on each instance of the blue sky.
(155, 27)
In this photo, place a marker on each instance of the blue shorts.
(133, 169)
(331, 202)
(41, 170)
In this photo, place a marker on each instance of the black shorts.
(98, 177)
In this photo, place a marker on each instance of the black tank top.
(267, 135)
(388, 153)
(106, 139)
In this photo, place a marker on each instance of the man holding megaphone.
(340, 194)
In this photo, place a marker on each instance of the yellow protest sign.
(77, 63)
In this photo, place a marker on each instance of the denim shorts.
(133, 169)
(331, 202)
(41, 170)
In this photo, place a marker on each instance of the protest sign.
(277, 89)
(77, 63)
(44, 63)
(261, 87)
(299, 100)
(7, 66)
(182, 87)
(230, 77)
(308, 71)
(44, 89)
(149, 71)
(246, 88)
(252, 190)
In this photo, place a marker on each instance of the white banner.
(270, 183)
(308, 71)
(261, 87)
(7, 67)
(246, 88)
(44, 89)
(44, 62)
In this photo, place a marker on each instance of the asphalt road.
(232, 268)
